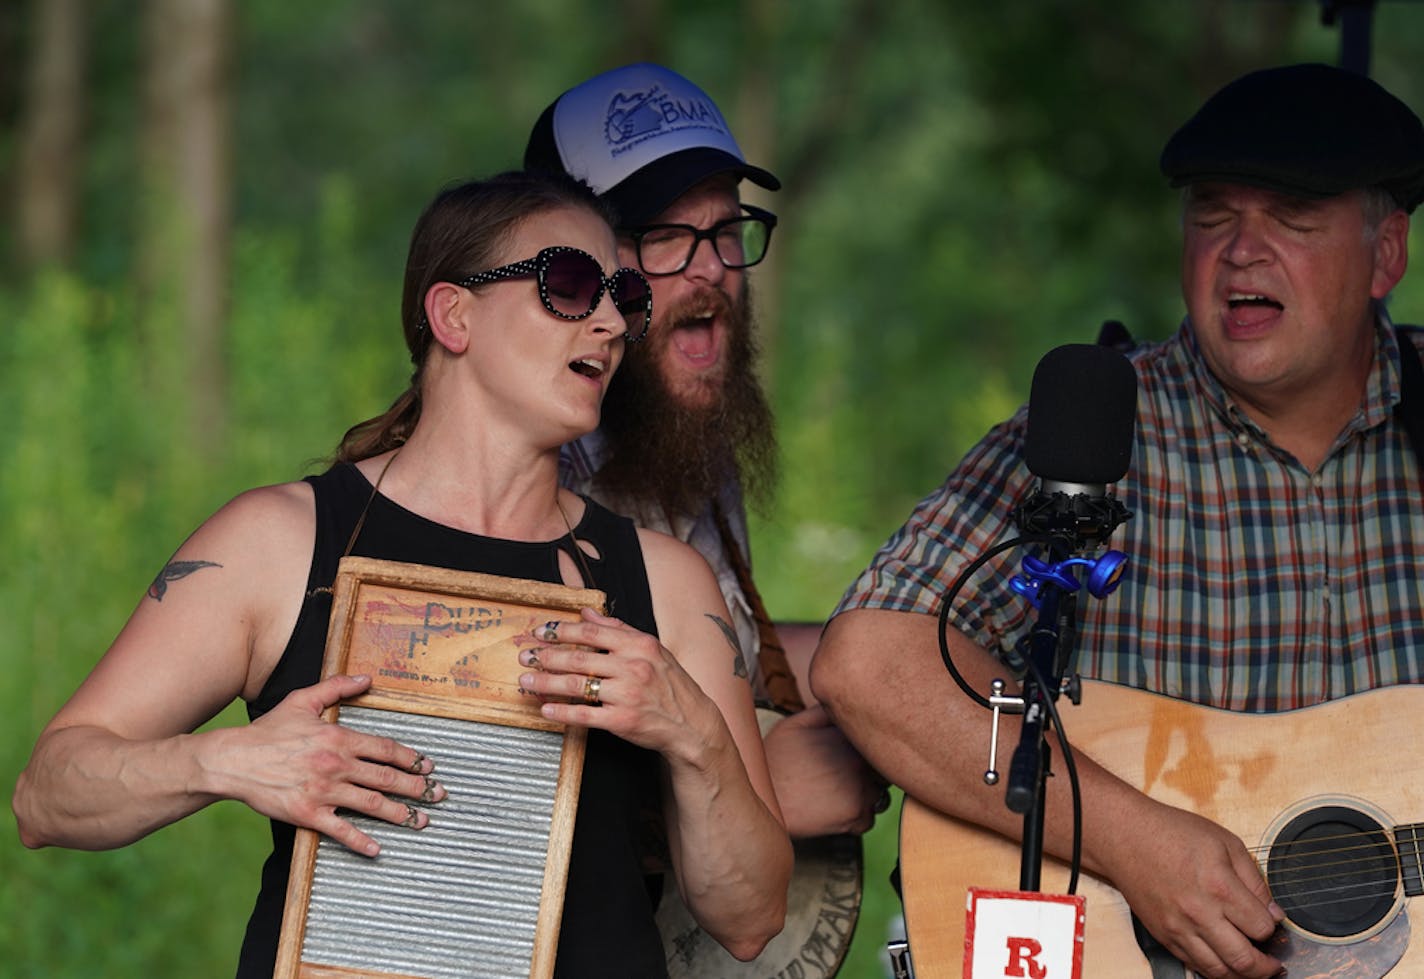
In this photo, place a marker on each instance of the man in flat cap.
(1276, 553)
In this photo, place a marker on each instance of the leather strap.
(1410, 409)
(776, 674)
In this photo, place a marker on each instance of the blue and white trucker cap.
(640, 136)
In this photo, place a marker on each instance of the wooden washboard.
(479, 891)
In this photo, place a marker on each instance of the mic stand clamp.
(1000, 703)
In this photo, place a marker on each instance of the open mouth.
(1252, 310)
(588, 367)
(695, 338)
(1248, 300)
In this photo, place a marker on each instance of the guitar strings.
(1316, 883)
(1349, 866)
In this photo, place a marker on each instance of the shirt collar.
(583, 457)
(1385, 386)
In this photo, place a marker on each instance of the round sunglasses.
(571, 283)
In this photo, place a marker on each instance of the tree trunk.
(754, 125)
(187, 217)
(50, 135)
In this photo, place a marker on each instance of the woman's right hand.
(120, 758)
(293, 766)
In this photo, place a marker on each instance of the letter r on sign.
(1023, 959)
(1023, 935)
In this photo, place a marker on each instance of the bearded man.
(687, 433)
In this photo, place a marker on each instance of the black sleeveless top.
(608, 927)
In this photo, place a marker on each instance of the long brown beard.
(678, 456)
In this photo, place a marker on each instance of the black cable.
(948, 604)
(1048, 702)
(1068, 762)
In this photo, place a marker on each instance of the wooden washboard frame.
(480, 890)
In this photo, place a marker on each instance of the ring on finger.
(591, 688)
(412, 815)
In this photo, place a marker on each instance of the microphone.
(1081, 412)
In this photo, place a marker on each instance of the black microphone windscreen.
(1081, 412)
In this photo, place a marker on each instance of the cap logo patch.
(634, 118)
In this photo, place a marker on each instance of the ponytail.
(383, 432)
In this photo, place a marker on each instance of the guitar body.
(1287, 784)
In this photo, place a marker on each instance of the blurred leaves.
(967, 185)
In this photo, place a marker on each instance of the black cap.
(641, 136)
(1307, 130)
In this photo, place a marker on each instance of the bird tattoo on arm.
(172, 571)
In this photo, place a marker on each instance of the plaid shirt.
(1251, 584)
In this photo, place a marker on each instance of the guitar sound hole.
(1334, 871)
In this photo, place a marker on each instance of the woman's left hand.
(730, 853)
(601, 672)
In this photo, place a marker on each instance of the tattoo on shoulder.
(739, 662)
(172, 571)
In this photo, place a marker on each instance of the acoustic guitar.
(1321, 795)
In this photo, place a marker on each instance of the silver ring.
(412, 814)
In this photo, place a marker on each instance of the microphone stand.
(1071, 517)
(1050, 650)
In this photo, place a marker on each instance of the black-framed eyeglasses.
(571, 284)
(740, 242)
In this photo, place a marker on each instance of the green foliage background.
(977, 184)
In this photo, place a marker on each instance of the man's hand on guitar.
(1197, 889)
(823, 784)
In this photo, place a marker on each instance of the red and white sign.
(1023, 935)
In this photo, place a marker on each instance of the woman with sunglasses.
(515, 327)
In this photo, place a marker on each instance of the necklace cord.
(361, 520)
